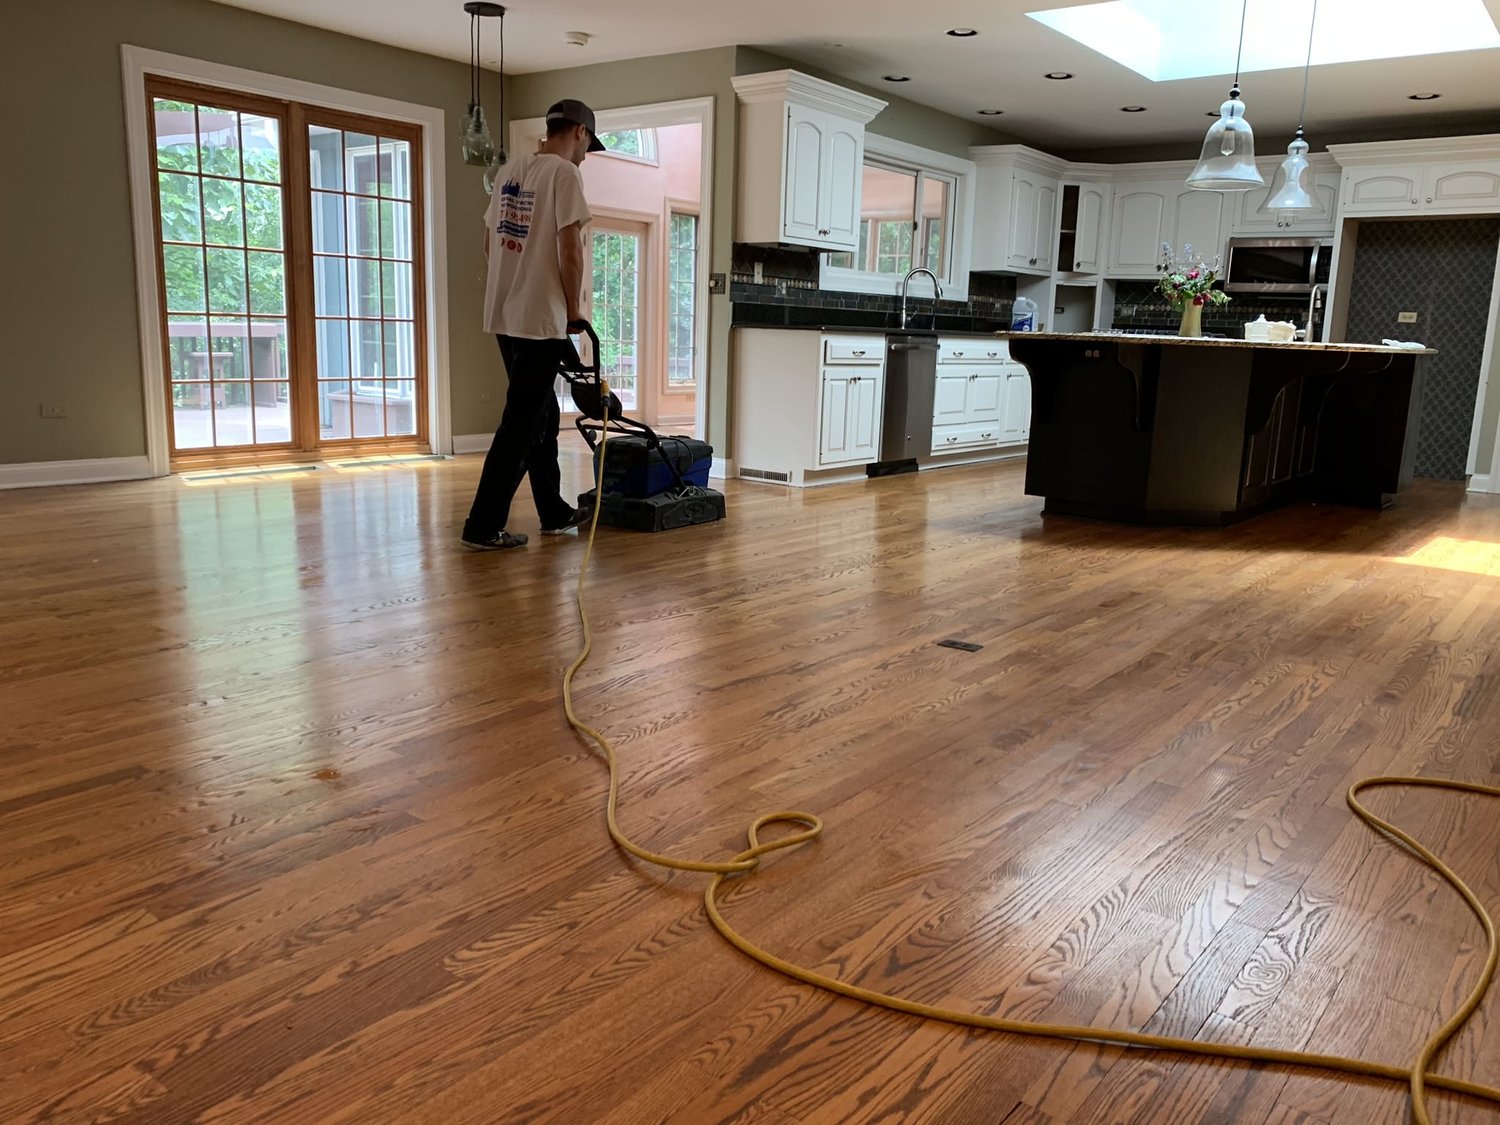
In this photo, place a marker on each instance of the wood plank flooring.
(294, 829)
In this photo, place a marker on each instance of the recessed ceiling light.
(990, 112)
(1422, 97)
(962, 32)
(1132, 109)
(896, 78)
(1213, 113)
(1057, 75)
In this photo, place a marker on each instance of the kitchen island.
(1176, 430)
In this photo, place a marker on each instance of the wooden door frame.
(139, 62)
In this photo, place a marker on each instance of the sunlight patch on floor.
(1472, 556)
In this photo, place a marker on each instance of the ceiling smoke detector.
(576, 38)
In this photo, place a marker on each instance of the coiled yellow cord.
(1417, 1077)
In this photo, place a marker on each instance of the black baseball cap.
(576, 113)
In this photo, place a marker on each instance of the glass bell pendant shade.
(1227, 162)
(478, 147)
(1290, 186)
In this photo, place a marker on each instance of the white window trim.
(653, 161)
(956, 283)
(136, 64)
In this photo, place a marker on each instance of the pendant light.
(1289, 187)
(1227, 162)
(479, 148)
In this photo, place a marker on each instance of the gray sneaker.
(579, 517)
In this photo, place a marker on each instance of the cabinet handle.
(958, 355)
(1077, 266)
(861, 352)
(987, 435)
(992, 355)
(1429, 199)
(824, 233)
(1414, 202)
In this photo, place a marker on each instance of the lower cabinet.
(975, 406)
(849, 422)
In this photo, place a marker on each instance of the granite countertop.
(1210, 342)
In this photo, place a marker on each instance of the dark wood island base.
(1172, 430)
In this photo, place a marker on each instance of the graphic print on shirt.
(514, 222)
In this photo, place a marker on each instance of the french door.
(615, 300)
(291, 289)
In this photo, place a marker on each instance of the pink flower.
(1192, 275)
(1200, 299)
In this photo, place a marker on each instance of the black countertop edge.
(875, 329)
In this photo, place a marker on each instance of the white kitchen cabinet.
(849, 424)
(801, 160)
(1033, 223)
(970, 400)
(1015, 214)
(1142, 212)
(1472, 186)
(1382, 191)
(1016, 414)
(1197, 221)
(1248, 218)
(1083, 218)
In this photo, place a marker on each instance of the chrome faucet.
(1314, 303)
(937, 295)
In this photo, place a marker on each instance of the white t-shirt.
(535, 197)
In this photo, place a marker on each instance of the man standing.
(533, 292)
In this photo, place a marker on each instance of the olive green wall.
(70, 332)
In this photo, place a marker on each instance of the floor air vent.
(765, 474)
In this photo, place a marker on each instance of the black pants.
(526, 442)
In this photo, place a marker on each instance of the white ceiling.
(1001, 68)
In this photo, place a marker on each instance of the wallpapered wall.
(1443, 271)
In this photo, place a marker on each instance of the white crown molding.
(794, 86)
(93, 470)
(1482, 146)
(987, 156)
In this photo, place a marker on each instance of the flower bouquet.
(1188, 285)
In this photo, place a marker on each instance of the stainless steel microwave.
(1286, 266)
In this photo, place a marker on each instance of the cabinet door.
(834, 425)
(1381, 191)
(986, 396)
(1088, 243)
(843, 177)
(864, 417)
(803, 204)
(950, 397)
(1462, 187)
(1136, 232)
(1198, 221)
(1045, 240)
(1024, 208)
(1017, 418)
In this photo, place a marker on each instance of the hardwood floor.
(294, 829)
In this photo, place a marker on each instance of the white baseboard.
(472, 443)
(93, 470)
(1478, 483)
(723, 469)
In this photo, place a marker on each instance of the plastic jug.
(1023, 315)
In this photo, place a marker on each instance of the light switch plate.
(716, 283)
(1406, 318)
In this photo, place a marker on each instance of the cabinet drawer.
(953, 439)
(854, 349)
(973, 351)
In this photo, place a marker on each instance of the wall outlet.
(781, 287)
(52, 410)
(760, 273)
(484, 396)
(1406, 318)
(716, 283)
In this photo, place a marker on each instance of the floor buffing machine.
(650, 483)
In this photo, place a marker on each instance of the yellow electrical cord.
(1417, 1076)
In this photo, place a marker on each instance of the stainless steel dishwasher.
(910, 383)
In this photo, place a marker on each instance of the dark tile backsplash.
(1139, 305)
(788, 294)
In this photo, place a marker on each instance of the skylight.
(1165, 40)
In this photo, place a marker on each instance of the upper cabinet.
(1142, 213)
(1083, 218)
(1248, 218)
(1197, 221)
(1015, 217)
(1447, 175)
(801, 160)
